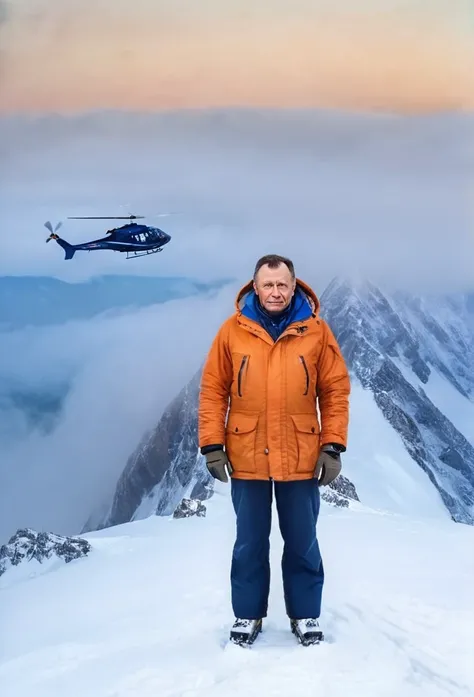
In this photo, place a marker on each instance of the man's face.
(274, 287)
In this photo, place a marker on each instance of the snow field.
(148, 614)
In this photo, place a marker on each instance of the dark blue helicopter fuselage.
(129, 237)
(133, 238)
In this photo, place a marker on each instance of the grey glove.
(217, 463)
(328, 466)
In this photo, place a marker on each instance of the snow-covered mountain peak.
(360, 299)
(362, 316)
(344, 292)
(415, 355)
(422, 332)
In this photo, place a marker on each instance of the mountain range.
(411, 436)
(40, 301)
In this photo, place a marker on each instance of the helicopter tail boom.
(69, 249)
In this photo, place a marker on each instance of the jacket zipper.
(306, 372)
(239, 379)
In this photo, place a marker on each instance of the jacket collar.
(311, 296)
(252, 317)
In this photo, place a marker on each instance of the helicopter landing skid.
(146, 252)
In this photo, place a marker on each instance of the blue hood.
(298, 310)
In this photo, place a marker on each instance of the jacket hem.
(258, 477)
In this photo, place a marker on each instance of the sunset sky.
(400, 55)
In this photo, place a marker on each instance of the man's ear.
(255, 287)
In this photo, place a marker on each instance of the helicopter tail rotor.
(49, 227)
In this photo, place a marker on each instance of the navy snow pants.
(302, 567)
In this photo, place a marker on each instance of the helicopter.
(136, 239)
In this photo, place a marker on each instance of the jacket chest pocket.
(240, 363)
(306, 374)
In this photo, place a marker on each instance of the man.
(272, 363)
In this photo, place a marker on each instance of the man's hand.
(328, 465)
(218, 465)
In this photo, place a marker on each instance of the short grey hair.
(274, 261)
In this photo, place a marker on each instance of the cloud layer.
(121, 372)
(385, 197)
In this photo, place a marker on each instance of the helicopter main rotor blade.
(163, 215)
(104, 217)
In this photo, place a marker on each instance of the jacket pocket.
(241, 434)
(306, 375)
(240, 364)
(306, 433)
(240, 374)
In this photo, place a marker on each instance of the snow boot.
(307, 631)
(244, 632)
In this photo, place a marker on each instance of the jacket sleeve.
(333, 389)
(216, 380)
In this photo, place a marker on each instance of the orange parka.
(260, 398)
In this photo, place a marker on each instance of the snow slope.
(147, 614)
(458, 409)
(384, 474)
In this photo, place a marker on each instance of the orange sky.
(58, 56)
